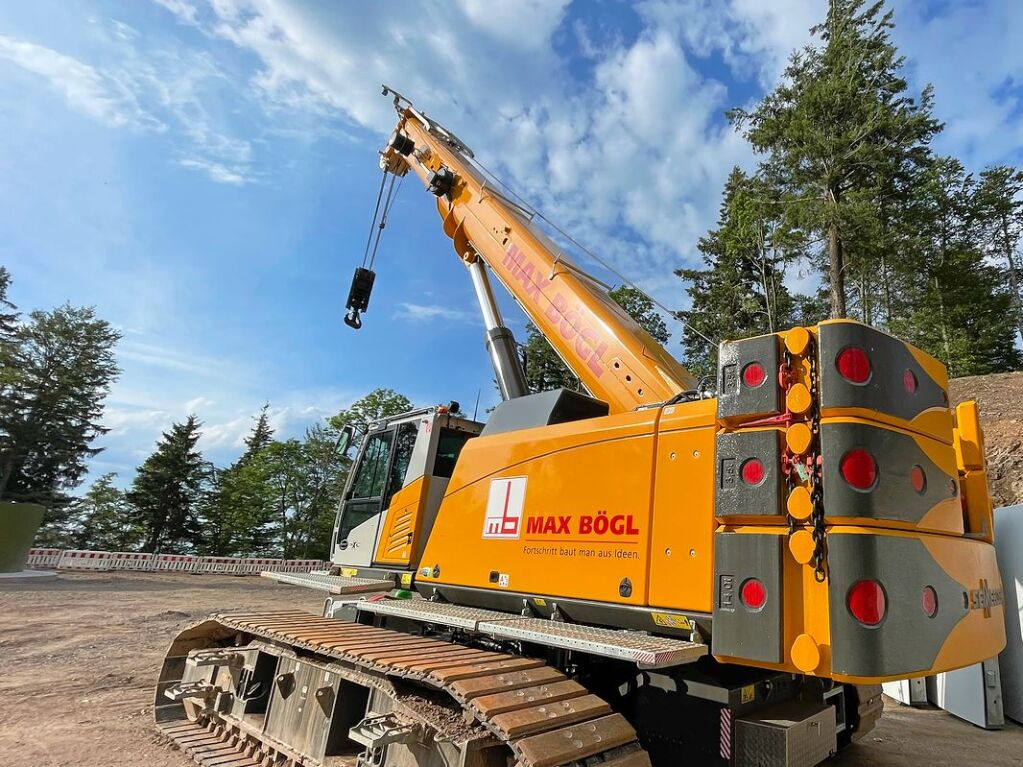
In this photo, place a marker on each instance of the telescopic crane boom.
(616, 359)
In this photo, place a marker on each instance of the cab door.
(379, 473)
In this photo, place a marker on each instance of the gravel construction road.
(80, 656)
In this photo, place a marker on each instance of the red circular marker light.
(859, 469)
(753, 594)
(929, 601)
(867, 603)
(752, 471)
(918, 479)
(909, 382)
(853, 365)
(754, 375)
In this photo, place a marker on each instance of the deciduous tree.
(103, 519)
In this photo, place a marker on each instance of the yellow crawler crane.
(640, 576)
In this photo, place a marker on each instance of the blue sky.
(203, 171)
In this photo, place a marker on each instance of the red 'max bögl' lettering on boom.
(568, 321)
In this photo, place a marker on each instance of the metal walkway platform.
(440, 613)
(644, 650)
(332, 584)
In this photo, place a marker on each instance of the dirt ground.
(80, 654)
(1000, 398)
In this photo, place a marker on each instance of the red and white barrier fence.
(182, 563)
(43, 557)
(85, 560)
(300, 565)
(128, 560)
(254, 566)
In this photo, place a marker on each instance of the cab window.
(449, 445)
(404, 442)
(372, 473)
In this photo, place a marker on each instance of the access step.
(644, 650)
(332, 584)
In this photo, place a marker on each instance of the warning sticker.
(672, 621)
(504, 508)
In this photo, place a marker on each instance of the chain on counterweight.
(807, 468)
(820, 544)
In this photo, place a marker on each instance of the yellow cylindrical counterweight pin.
(806, 654)
(796, 340)
(798, 438)
(799, 504)
(801, 546)
(798, 399)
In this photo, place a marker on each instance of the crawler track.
(543, 718)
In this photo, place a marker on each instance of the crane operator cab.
(391, 499)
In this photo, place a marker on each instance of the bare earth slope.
(1000, 398)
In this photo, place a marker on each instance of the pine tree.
(740, 293)
(168, 490)
(839, 131)
(8, 317)
(961, 311)
(58, 367)
(543, 366)
(1000, 209)
(10, 374)
(261, 435)
(237, 513)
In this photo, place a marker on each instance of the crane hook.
(358, 296)
(353, 320)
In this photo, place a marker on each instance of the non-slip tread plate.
(332, 584)
(642, 649)
(443, 613)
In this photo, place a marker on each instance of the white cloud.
(158, 355)
(180, 8)
(971, 53)
(754, 37)
(216, 171)
(630, 161)
(162, 384)
(504, 20)
(161, 90)
(103, 97)
(428, 312)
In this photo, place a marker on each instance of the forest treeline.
(848, 197)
